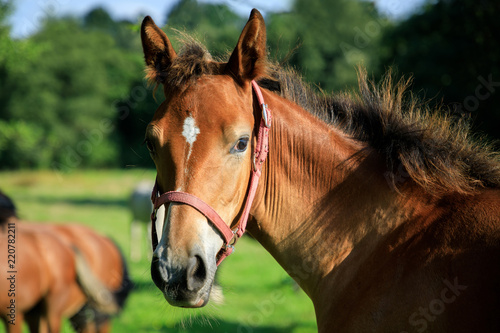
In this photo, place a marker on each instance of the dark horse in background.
(386, 213)
(61, 271)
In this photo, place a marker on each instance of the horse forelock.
(192, 62)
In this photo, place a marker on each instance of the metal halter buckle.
(265, 116)
(233, 241)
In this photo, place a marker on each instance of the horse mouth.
(200, 304)
(185, 300)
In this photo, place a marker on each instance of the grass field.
(259, 295)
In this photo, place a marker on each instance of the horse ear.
(248, 60)
(158, 51)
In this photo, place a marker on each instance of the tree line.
(73, 96)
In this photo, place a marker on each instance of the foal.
(386, 215)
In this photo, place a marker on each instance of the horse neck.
(319, 195)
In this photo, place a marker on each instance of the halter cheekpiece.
(230, 236)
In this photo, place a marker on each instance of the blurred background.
(72, 93)
(74, 107)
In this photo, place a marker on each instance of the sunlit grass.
(259, 295)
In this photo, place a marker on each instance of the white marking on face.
(160, 221)
(190, 131)
(162, 239)
(210, 237)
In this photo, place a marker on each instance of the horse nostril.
(196, 273)
(158, 274)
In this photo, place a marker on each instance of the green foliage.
(20, 144)
(452, 49)
(5, 11)
(87, 72)
(73, 95)
(215, 25)
(330, 38)
(68, 92)
(14, 54)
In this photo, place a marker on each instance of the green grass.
(259, 295)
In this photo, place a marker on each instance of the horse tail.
(90, 315)
(99, 297)
(127, 284)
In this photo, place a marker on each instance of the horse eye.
(150, 146)
(240, 146)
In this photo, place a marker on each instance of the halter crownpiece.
(230, 236)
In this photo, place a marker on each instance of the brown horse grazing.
(387, 215)
(106, 264)
(38, 275)
(59, 271)
(43, 285)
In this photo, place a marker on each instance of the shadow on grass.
(143, 285)
(196, 325)
(96, 201)
(202, 323)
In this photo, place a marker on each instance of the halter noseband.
(230, 236)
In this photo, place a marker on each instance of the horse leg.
(104, 327)
(38, 324)
(39, 320)
(65, 299)
(54, 322)
(92, 322)
(17, 327)
(36, 318)
(88, 327)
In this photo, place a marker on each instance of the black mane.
(436, 150)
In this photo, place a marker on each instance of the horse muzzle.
(186, 285)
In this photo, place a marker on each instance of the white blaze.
(190, 131)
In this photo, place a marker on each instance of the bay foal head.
(200, 140)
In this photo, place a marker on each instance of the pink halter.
(230, 236)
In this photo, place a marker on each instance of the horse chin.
(187, 300)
